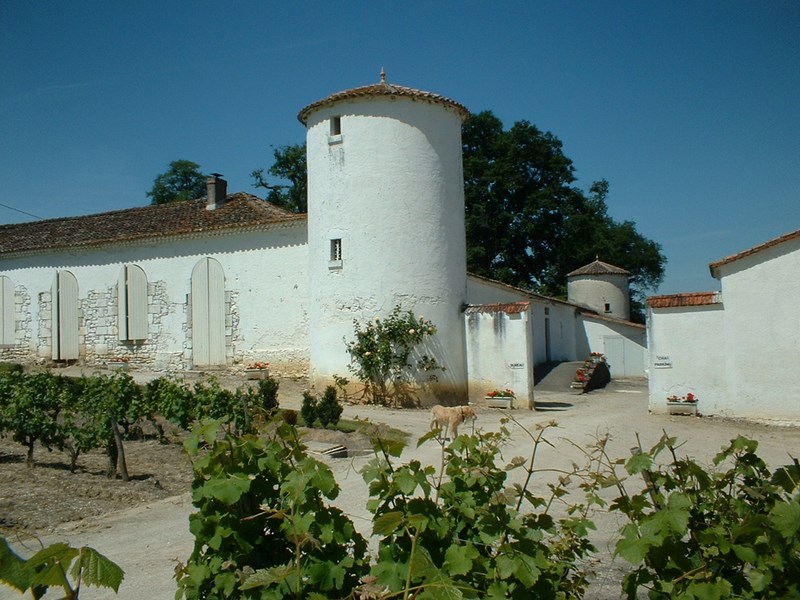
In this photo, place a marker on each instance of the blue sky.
(691, 110)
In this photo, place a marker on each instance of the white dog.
(448, 418)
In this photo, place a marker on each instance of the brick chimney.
(217, 190)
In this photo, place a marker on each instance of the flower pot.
(499, 402)
(682, 408)
(256, 373)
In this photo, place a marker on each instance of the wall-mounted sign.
(662, 361)
(516, 365)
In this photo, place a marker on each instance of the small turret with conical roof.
(601, 287)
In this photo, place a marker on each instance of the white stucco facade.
(265, 287)
(735, 350)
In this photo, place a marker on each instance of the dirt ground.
(143, 524)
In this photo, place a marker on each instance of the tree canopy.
(527, 224)
(181, 181)
(289, 165)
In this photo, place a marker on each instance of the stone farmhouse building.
(224, 281)
(735, 350)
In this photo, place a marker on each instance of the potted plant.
(500, 399)
(257, 370)
(682, 405)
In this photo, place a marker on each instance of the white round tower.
(601, 287)
(386, 222)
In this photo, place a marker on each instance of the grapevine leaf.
(639, 463)
(12, 568)
(51, 564)
(387, 523)
(433, 433)
(227, 490)
(786, 518)
(267, 577)
(98, 570)
(458, 558)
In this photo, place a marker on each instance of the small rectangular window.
(336, 125)
(608, 307)
(336, 253)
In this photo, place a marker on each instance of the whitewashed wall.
(499, 354)
(624, 345)
(265, 285)
(391, 188)
(761, 293)
(687, 354)
(558, 317)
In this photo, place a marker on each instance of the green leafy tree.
(528, 225)
(182, 181)
(289, 165)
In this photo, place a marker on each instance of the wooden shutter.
(6, 311)
(208, 313)
(65, 316)
(132, 298)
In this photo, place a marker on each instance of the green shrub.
(6, 368)
(466, 533)
(382, 355)
(308, 410)
(328, 408)
(268, 395)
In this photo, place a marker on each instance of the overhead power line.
(22, 211)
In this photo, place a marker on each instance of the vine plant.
(731, 531)
(467, 533)
(263, 528)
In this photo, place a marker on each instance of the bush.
(308, 410)
(381, 356)
(328, 408)
(268, 395)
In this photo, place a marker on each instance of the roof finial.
(383, 75)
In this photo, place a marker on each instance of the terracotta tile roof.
(383, 89)
(596, 316)
(714, 266)
(529, 293)
(689, 299)
(241, 210)
(505, 307)
(598, 267)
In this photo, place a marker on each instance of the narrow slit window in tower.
(336, 253)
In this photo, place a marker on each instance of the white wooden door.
(208, 313)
